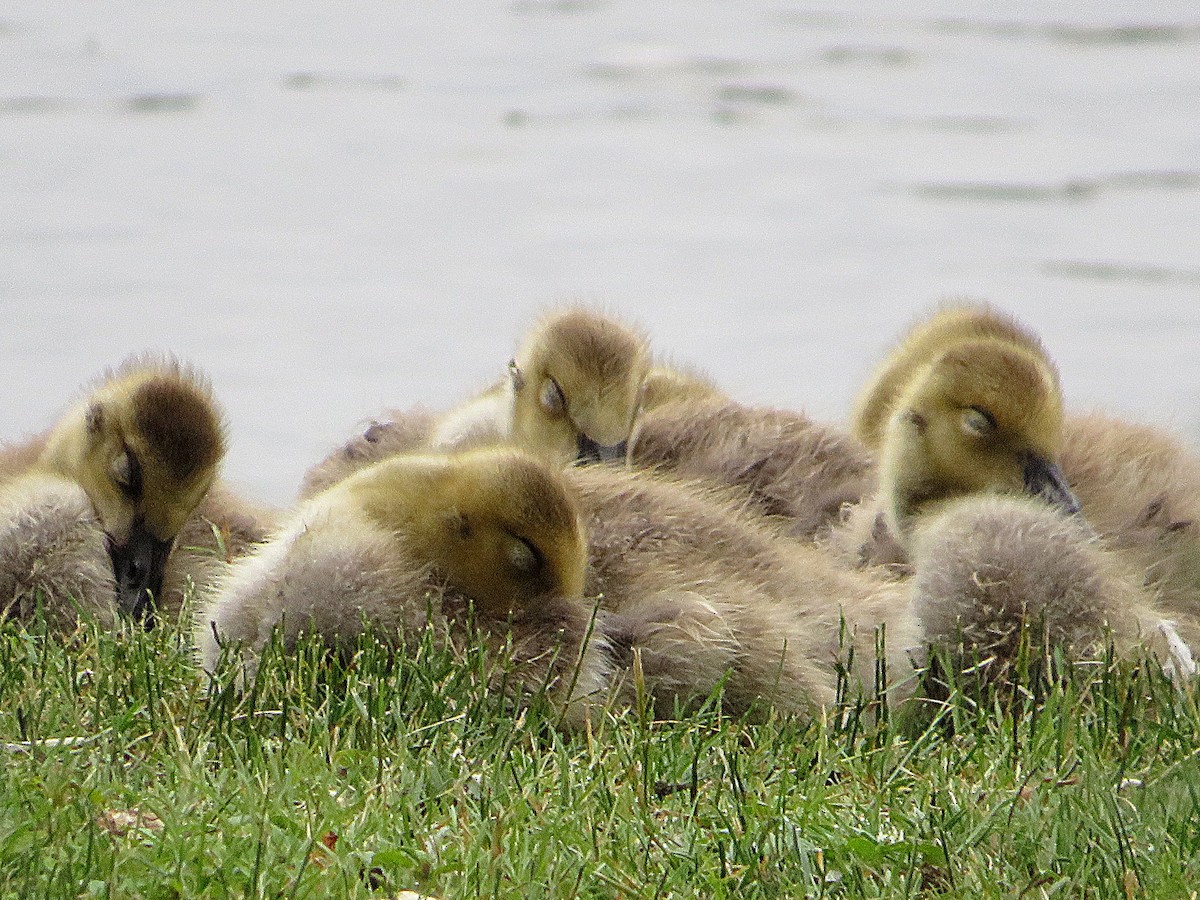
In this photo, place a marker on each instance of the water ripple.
(883, 57)
(163, 102)
(35, 105)
(1162, 181)
(981, 124)
(560, 7)
(1080, 35)
(1074, 190)
(1124, 34)
(643, 60)
(334, 81)
(756, 94)
(1090, 270)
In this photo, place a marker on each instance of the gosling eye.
(126, 473)
(524, 556)
(978, 422)
(552, 399)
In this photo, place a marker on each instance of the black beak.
(591, 452)
(139, 565)
(1044, 479)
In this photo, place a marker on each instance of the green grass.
(431, 780)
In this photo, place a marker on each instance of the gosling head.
(576, 385)
(497, 524)
(950, 326)
(144, 445)
(982, 416)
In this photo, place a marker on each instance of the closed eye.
(979, 421)
(553, 400)
(127, 475)
(525, 556)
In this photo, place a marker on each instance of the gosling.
(570, 394)
(677, 591)
(89, 511)
(996, 577)
(414, 542)
(974, 413)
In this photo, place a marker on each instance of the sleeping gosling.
(413, 542)
(623, 581)
(570, 394)
(133, 459)
(972, 500)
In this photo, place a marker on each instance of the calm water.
(333, 208)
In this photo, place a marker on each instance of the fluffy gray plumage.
(53, 559)
(787, 464)
(986, 569)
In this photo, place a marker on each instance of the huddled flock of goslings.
(612, 524)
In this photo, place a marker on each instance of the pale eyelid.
(132, 486)
(535, 556)
(555, 402)
(987, 416)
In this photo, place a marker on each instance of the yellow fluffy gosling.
(122, 471)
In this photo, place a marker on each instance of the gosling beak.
(591, 452)
(138, 565)
(1044, 479)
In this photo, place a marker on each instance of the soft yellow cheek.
(972, 471)
(116, 517)
(167, 510)
(573, 575)
(958, 461)
(167, 529)
(556, 444)
(1002, 475)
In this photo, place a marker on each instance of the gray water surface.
(335, 208)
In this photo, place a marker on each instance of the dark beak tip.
(139, 566)
(1043, 478)
(614, 452)
(592, 452)
(137, 604)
